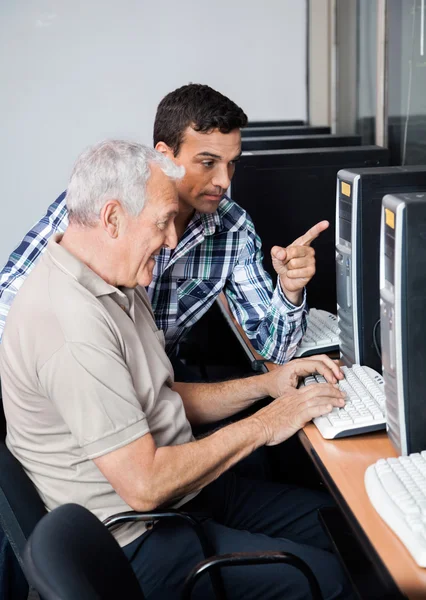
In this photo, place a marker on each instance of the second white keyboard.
(322, 334)
(364, 408)
(396, 488)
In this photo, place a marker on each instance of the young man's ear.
(164, 149)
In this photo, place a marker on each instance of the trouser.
(243, 515)
(13, 584)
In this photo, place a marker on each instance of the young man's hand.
(295, 265)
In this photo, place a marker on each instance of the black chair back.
(71, 554)
(20, 510)
(20, 505)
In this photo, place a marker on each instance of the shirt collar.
(210, 222)
(90, 280)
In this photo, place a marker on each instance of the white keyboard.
(322, 334)
(364, 408)
(397, 490)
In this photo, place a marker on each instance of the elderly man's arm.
(93, 390)
(147, 476)
(210, 402)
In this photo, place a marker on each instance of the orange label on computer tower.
(390, 218)
(346, 188)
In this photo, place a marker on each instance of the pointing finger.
(307, 238)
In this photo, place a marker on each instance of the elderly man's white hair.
(113, 170)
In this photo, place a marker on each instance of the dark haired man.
(218, 248)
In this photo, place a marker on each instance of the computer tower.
(279, 130)
(287, 191)
(299, 141)
(403, 318)
(269, 123)
(358, 210)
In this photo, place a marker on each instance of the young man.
(218, 248)
(95, 417)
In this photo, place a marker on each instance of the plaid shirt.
(217, 252)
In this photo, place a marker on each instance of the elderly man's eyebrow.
(171, 213)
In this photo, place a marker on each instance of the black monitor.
(269, 123)
(359, 201)
(403, 318)
(280, 142)
(287, 191)
(272, 131)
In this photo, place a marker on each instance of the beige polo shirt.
(84, 372)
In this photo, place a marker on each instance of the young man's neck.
(183, 218)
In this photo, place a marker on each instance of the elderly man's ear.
(112, 218)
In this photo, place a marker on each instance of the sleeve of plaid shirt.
(272, 323)
(25, 255)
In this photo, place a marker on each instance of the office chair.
(71, 554)
(21, 508)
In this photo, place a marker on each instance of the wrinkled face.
(209, 161)
(152, 229)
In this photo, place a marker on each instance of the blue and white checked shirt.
(217, 252)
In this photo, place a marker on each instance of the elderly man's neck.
(86, 244)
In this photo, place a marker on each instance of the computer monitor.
(403, 318)
(358, 211)
(299, 141)
(283, 123)
(287, 191)
(272, 131)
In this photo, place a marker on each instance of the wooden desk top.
(345, 461)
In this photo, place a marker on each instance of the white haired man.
(95, 417)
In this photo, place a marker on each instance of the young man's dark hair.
(198, 106)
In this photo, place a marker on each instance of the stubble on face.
(209, 161)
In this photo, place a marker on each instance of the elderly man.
(218, 248)
(95, 417)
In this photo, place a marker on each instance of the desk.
(342, 464)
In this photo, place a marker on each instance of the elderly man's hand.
(295, 265)
(287, 376)
(286, 415)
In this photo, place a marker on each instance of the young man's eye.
(208, 163)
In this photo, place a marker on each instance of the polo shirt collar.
(70, 264)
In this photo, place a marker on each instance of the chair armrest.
(157, 515)
(249, 558)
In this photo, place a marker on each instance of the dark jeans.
(13, 584)
(242, 515)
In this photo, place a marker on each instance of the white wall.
(73, 72)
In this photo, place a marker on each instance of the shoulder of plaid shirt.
(219, 252)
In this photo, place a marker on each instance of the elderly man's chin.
(147, 273)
